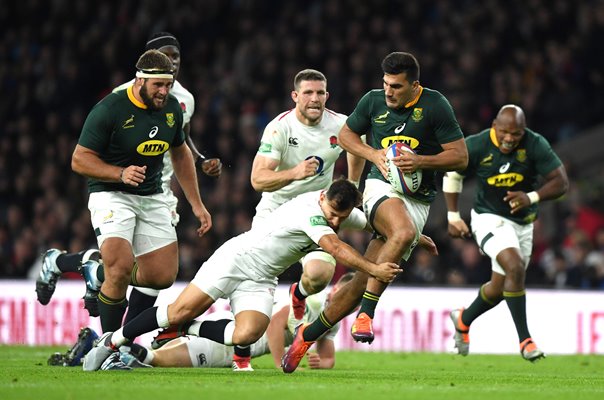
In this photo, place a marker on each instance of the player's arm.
(274, 334)
(452, 187)
(325, 357)
(351, 142)
(184, 169)
(454, 157)
(209, 166)
(88, 163)
(345, 254)
(356, 165)
(265, 178)
(555, 185)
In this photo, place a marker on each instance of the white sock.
(194, 328)
(147, 291)
(117, 338)
(228, 333)
(149, 357)
(301, 289)
(162, 316)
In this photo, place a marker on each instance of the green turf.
(371, 376)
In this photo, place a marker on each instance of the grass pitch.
(358, 375)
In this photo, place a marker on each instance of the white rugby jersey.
(187, 104)
(288, 140)
(290, 232)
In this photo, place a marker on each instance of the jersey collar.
(133, 99)
(493, 137)
(416, 98)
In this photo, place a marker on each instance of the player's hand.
(517, 201)
(314, 360)
(459, 229)
(386, 272)
(205, 221)
(407, 162)
(428, 244)
(306, 168)
(133, 175)
(379, 159)
(212, 167)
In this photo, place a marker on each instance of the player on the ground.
(297, 154)
(507, 160)
(193, 351)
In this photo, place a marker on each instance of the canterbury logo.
(129, 123)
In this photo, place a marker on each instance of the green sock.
(111, 312)
(368, 303)
(516, 302)
(479, 306)
(318, 327)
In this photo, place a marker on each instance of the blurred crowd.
(239, 57)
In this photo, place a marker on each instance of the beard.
(148, 100)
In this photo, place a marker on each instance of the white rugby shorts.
(144, 221)
(376, 190)
(494, 233)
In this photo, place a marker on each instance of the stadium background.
(58, 58)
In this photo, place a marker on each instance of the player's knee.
(402, 239)
(161, 280)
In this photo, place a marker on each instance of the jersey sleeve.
(360, 119)
(446, 127)
(472, 143)
(179, 138)
(315, 227)
(272, 144)
(97, 130)
(546, 160)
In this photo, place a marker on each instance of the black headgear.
(161, 39)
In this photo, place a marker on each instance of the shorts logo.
(202, 359)
(170, 119)
(107, 218)
(318, 221)
(417, 114)
(129, 123)
(265, 147)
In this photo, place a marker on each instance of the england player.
(56, 262)
(507, 160)
(245, 270)
(297, 154)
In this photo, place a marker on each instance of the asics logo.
(153, 132)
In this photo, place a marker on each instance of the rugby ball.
(404, 183)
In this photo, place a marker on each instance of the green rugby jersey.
(125, 132)
(497, 173)
(423, 124)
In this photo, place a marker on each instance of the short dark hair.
(308, 75)
(160, 39)
(343, 195)
(154, 60)
(398, 62)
